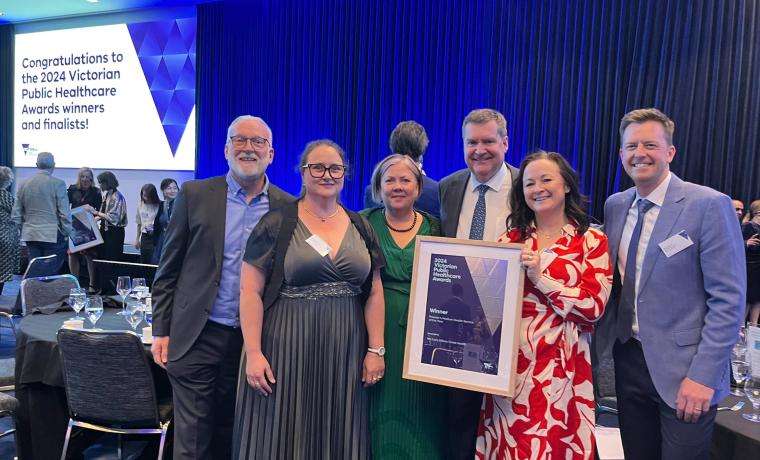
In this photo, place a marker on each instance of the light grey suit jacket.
(42, 208)
(690, 305)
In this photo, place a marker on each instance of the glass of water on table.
(77, 299)
(93, 309)
(123, 287)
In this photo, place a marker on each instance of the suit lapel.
(671, 209)
(218, 215)
(454, 202)
(617, 223)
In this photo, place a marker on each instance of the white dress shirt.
(497, 205)
(658, 198)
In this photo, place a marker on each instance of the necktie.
(479, 215)
(628, 291)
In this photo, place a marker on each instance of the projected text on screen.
(119, 96)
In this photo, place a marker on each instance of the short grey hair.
(648, 114)
(243, 118)
(45, 160)
(6, 177)
(382, 167)
(483, 116)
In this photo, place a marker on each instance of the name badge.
(319, 245)
(676, 244)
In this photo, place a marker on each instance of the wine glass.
(149, 310)
(77, 299)
(123, 287)
(739, 363)
(93, 309)
(752, 390)
(134, 314)
(139, 288)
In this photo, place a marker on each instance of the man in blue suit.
(409, 138)
(678, 300)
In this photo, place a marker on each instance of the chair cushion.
(8, 402)
(7, 372)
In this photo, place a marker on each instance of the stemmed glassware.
(134, 314)
(77, 299)
(752, 390)
(123, 287)
(739, 366)
(94, 309)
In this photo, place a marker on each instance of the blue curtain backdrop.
(6, 94)
(562, 72)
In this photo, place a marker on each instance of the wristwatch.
(378, 351)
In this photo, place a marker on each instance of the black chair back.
(108, 378)
(46, 294)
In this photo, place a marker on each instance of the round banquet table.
(735, 438)
(42, 416)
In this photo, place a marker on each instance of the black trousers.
(648, 426)
(462, 415)
(203, 384)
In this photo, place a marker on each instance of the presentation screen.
(118, 96)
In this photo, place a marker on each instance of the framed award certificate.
(464, 314)
(86, 233)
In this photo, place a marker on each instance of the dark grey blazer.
(189, 272)
(451, 191)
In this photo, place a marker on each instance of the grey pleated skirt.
(315, 340)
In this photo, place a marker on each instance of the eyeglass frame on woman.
(327, 170)
(257, 142)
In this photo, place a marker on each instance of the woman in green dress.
(406, 417)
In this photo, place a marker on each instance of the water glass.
(149, 310)
(739, 366)
(123, 287)
(752, 390)
(93, 309)
(77, 299)
(140, 288)
(134, 314)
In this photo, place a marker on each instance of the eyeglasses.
(256, 142)
(318, 170)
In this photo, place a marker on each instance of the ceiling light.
(92, 1)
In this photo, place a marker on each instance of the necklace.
(401, 230)
(323, 219)
(549, 235)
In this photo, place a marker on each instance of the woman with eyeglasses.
(406, 417)
(311, 312)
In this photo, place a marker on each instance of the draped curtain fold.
(6, 94)
(562, 72)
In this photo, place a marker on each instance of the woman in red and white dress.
(567, 285)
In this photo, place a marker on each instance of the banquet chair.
(110, 387)
(39, 266)
(45, 291)
(604, 392)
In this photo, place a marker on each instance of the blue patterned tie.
(479, 215)
(628, 291)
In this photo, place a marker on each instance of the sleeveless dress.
(407, 418)
(315, 340)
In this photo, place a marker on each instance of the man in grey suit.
(42, 209)
(678, 299)
(196, 292)
(475, 205)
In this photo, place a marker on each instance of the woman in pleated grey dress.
(312, 312)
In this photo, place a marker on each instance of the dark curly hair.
(522, 216)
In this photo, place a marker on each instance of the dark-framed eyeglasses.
(257, 142)
(318, 170)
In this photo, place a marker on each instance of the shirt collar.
(236, 189)
(658, 194)
(494, 183)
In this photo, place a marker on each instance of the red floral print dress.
(552, 413)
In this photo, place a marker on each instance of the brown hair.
(649, 114)
(483, 116)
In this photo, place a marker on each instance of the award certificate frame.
(85, 232)
(465, 308)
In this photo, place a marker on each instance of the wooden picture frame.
(465, 308)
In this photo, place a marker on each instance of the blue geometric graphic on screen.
(166, 50)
